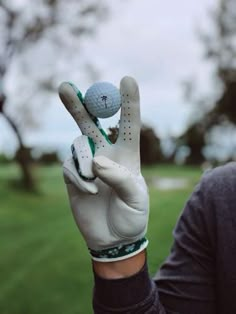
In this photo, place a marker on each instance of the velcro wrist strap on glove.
(120, 252)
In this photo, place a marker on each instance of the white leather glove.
(107, 193)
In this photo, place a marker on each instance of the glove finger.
(69, 97)
(130, 121)
(83, 150)
(128, 186)
(71, 176)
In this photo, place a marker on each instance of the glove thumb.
(127, 185)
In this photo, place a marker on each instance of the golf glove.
(107, 193)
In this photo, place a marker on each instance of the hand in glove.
(107, 193)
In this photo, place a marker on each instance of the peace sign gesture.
(107, 193)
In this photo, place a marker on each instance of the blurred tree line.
(217, 110)
(220, 110)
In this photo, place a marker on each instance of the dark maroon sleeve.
(186, 281)
(134, 295)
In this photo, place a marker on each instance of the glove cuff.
(120, 252)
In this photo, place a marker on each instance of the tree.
(54, 27)
(150, 147)
(194, 139)
(220, 48)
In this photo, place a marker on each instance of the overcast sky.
(155, 42)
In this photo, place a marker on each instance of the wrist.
(120, 269)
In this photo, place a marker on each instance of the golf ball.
(102, 100)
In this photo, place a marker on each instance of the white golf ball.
(102, 100)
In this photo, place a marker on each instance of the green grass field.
(44, 263)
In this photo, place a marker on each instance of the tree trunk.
(23, 159)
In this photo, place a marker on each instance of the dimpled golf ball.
(102, 100)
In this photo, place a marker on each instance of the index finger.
(69, 97)
(130, 120)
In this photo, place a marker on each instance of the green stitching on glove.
(95, 119)
(78, 92)
(92, 146)
(105, 135)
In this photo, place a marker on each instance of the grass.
(44, 264)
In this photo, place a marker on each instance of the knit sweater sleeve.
(133, 295)
(186, 281)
